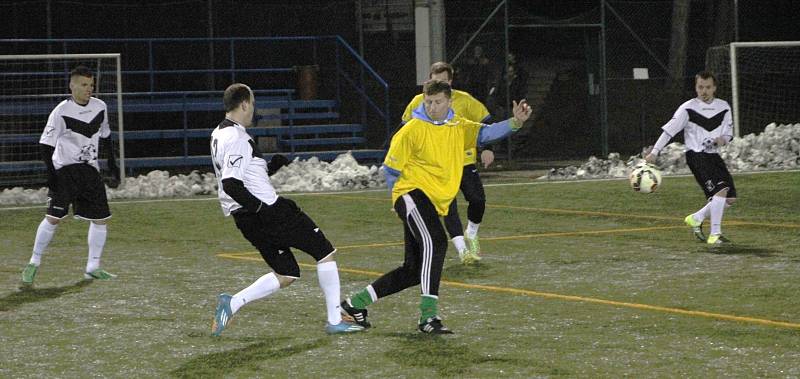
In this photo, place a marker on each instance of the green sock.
(361, 299)
(428, 308)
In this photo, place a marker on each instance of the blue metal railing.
(154, 69)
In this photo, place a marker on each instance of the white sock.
(328, 274)
(701, 215)
(717, 208)
(472, 229)
(96, 239)
(459, 243)
(44, 234)
(263, 287)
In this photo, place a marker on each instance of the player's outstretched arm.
(662, 142)
(522, 111)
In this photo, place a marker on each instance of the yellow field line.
(547, 295)
(593, 213)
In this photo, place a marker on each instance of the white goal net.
(761, 80)
(30, 87)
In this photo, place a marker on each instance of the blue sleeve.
(494, 132)
(391, 176)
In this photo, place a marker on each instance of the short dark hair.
(81, 70)
(434, 86)
(235, 95)
(705, 75)
(440, 67)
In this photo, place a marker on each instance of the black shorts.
(80, 185)
(711, 173)
(287, 227)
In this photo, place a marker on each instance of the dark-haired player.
(69, 145)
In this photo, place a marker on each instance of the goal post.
(761, 80)
(30, 87)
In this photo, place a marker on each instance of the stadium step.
(324, 141)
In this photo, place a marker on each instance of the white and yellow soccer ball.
(645, 178)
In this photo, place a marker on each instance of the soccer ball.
(645, 178)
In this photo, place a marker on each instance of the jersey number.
(214, 154)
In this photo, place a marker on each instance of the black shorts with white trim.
(79, 185)
(711, 173)
(286, 227)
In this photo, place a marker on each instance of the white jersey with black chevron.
(75, 131)
(701, 124)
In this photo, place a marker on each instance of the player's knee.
(328, 258)
(285, 281)
(52, 220)
(99, 222)
(729, 201)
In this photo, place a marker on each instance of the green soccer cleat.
(344, 327)
(468, 257)
(717, 239)
(29, 273)
(99, 274)
(473, 245)
(697, 227)
(223, 314)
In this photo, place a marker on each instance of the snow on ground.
(344, 173)
(776, 148)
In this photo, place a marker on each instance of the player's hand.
(276, 162)
(720, 141)
(522, 111)
(487, 157)
(650, 158)
(111, 178)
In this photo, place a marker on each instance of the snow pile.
(344, 173)
(311, 175)
(776, 148)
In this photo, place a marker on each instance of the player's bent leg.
(718, 202)
(472, 188)
(44, 234)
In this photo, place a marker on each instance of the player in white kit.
(69, 145)
(707, 124)
(272, 223)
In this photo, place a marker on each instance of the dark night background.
(391, 53)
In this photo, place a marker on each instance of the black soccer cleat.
(359, 316)
(433, 325)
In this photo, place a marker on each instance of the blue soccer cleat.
(343, 327)
(223, 314)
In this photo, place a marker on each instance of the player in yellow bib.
(465, 106)
(423, 170)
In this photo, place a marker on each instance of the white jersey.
(701, 123)
(75, 131)
(234, 155)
